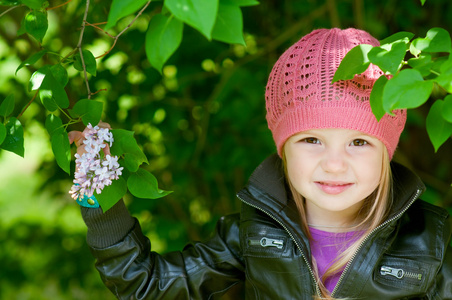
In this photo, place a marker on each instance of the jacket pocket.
(403, 273)
(266, 243)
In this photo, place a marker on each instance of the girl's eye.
(359, 142)
(311, 140)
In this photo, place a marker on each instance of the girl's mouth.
(333, 187)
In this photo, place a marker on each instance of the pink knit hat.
(300, 96)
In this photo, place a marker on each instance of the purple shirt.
(325, 247)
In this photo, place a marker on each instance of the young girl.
(328, 217)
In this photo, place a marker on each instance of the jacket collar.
(267, 189)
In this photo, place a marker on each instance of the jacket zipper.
(293, 238)
(418, 192)
(399, 273)
(267, 242)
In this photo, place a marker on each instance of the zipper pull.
(392, 271)
(399, 273)
(266, 242)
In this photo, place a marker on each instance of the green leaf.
(437, 40)
(447, 109)
(446, 66)
(438, 129)
(163, 37)
(388, 57)
(423, 63)
(200, 14)
(229, 25)
(37, 77)
(60, 74)
(239, 2)
(36, 24)
(125, 145)
(414, 50)
(376, 97)
(2, 133)
(111, 194)
(407, 89)
(122, 8)
(423, 2)
(62, 150)
(10, 2)
(54, 124)
(399, 36)
(90, 62)
(14, 140)
(32, 59)
(52, 94)
(89, 110)
(33, 4)
(354, 62)
(21, 29)
(7, 106)
(445, 81)
(143, 184)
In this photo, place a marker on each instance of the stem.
(67, 116)
(10, 9)
(79, 47)
(71, 121)
(69, 54)
(98, 28)
(436, 73)
(28, 104)
(50, 8)
(127, 27)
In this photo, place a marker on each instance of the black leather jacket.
(407, 257)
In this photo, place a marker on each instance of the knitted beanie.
(300, 95)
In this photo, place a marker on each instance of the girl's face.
(334, 170)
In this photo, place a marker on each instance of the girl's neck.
(334, 228)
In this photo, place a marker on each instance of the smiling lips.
(333, 187)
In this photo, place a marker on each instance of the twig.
(28, 104)
(79, 46)
(358, 13)
(98, 28)
(332, 7)
(279, 40)
(101, 90)
(10, 9)
(127, 27)
(63, 4)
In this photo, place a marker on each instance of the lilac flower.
(94, 172)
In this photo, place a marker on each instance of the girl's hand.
(78, 137)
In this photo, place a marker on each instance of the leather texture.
(407, 257)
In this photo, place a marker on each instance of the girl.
(328, 217)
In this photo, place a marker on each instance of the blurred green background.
(201, 124)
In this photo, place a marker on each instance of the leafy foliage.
(414, 78)
(163, 37)
(200, 123)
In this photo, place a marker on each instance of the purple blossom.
(94, 172)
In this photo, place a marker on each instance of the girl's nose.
(334, 161)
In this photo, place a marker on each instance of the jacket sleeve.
(131, 271)
(444, 277)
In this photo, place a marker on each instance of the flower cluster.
(94, 169)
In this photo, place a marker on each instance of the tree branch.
(10, 9)
(124, 30)
(100, 29)
(358, 9)
(63, 4)
(79, 46)
(28, 104)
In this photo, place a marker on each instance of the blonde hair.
(375, 210)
